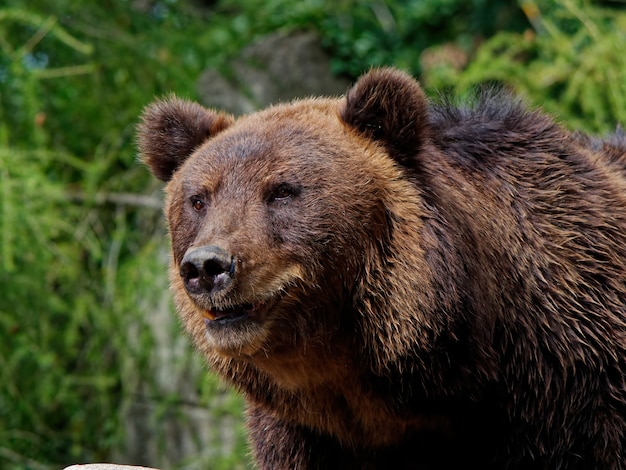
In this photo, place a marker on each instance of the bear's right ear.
(389, 106)
(171, 129)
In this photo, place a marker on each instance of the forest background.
(81, 232)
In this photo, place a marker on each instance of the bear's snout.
(207, 269)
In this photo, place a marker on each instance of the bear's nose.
(207, 269)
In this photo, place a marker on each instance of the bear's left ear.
(389, 106)
(171, 129)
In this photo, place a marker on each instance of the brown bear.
(397, 282)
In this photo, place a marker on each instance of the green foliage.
(43, 239)
(573, 63)
(360, 35)
(385, 32)
(54, 372)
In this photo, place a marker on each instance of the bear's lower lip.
(233, 313)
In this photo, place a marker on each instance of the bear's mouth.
(234, 313)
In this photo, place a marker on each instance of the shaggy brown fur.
(393, 283)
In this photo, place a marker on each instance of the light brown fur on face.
(395, 283)
(237, 185)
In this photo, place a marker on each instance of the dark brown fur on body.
(423, 285)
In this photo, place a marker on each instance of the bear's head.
(279, 219)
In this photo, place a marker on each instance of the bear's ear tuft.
(171, 129)
(389, 106)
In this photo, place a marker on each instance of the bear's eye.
(197, 203)
(282, 192)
